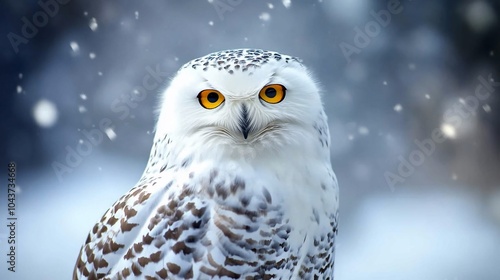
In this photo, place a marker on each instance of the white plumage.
(238, 185)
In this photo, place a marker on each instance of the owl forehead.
(240, 60)
(241, 71)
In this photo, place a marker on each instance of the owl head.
(240, 101)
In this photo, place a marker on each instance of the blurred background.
(411, 89)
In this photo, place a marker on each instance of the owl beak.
(244, 121)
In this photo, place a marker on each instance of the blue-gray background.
(87, 63)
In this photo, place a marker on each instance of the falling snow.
(19, 89)
(265, 16)
(92, 55)
(211, 23)
(385, 83)
(427, 96)
(449, 131)
(93, 24)
(136, 14)
(287, 3)
(398, 108)
(74, 46)
(45, 113)
(82, 109)
(20, 76)
(110, 133)
(99, 73)
(270, 6)
(83, 96)
(486, 108)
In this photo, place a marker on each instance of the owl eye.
(272, 93)
(210, 98)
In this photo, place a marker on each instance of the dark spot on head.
(187, 161)
(163, 168)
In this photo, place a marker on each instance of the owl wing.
(209, 228)
(118, 228)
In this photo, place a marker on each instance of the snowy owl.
(239, 183)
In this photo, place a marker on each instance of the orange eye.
(272, 93)
(210, 98)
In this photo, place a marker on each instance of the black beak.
(244, 121)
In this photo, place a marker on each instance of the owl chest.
(251, 202)
(257, 221)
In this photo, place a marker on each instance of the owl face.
(244, 99)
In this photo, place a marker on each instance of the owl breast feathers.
(238, 185)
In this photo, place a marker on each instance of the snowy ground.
(431, 235)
